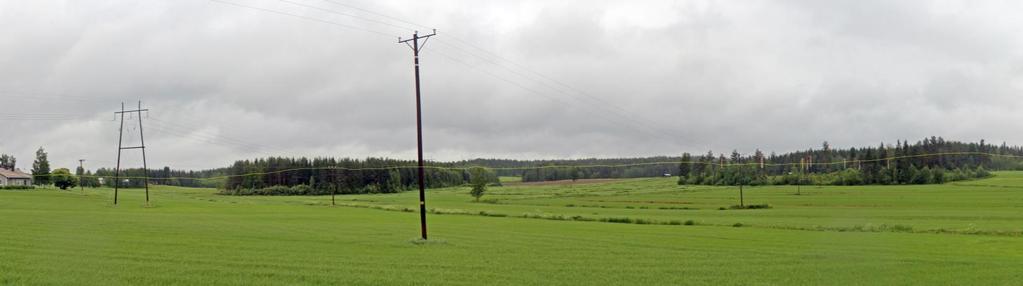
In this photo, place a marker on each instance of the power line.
(345, 14)
(376, 13)
(673, 163)
(40, 118)
(192, 132)
(606, 106)
(602, 116)
(304, 17)
(199, 138)
(47, 96)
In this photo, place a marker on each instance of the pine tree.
(684, 168)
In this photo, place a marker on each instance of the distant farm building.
(14, 178)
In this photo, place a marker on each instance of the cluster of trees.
(551, 170)
(7, 162)
(131, 177)
(134, 177)
(583, 171)
(931, 160)
(339, 176)
(41, 173)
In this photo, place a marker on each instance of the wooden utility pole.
(799, 179)
(419, 122)
(741, 204)
(142, 141)
(81, 165)
(337, 184)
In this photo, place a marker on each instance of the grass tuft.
(420, 241)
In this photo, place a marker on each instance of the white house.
(14, 178)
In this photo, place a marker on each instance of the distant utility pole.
(142, 142)
(81, 165)
(799, 179)
(741, 203)
(419, 123)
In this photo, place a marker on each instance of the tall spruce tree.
(41, 168)
(684, 168)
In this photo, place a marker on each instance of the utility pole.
(337, 185)
(741, 203)
(419, 122)
(81, 165)
(142, 141)
(799, 179)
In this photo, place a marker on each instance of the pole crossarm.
(416, 35)
(130, 111)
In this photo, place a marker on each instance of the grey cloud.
(690, 75)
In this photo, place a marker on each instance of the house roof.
(14, 174)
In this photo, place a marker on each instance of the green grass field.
(532, 234)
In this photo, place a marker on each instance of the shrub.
(63, 179)
(485, 213)
(17, 187)
(617, 219)
(676, 208)
(690, 222)
(898, 228)
(297, 190)
(738, 224)
(750, 207)
(981, 172)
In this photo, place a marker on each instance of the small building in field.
(14, 178)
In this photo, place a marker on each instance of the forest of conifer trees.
(932, 160)
(321, 176)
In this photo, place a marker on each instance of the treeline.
(931, 160)
(550, 170)
(321, 176)
(133, 177)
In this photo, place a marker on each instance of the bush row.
(303, 190)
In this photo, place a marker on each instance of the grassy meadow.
(636, 231)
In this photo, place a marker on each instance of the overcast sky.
(506, 79)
